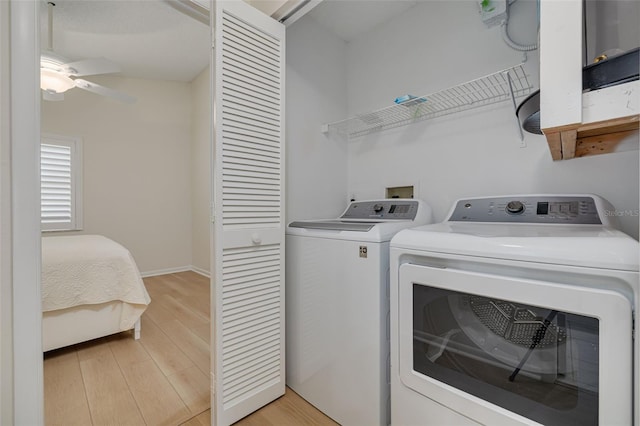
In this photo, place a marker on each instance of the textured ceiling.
(148, 39)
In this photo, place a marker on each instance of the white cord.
(512, 44)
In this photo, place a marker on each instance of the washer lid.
(336, 225)
(349, 230)
(593, 246)
(371, 220)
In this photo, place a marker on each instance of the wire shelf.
(497, 87)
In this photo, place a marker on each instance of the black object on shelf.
(528, 113)
(608, 72)
(612, 71)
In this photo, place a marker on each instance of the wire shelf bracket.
(507, 84)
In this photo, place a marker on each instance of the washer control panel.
(398, 209)
(528, 209)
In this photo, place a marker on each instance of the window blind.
(57, 186)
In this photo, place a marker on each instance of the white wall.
(430, 47)
(316, 165)
(137, 179)
(201, 172)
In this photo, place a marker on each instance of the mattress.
(90, 270)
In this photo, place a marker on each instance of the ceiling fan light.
(54, 82)
(52, 61)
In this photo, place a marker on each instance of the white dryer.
(337, 308)
(516, 310)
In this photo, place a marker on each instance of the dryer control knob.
(515, 207)
(378, 208)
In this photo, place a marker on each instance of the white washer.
(516, 310)
(337, 299)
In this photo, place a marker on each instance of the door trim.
(23, 227)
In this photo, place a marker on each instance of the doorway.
(146, 176)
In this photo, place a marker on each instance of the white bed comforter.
(90, 269)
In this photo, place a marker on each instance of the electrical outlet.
(493, 12)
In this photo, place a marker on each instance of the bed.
(91, 287)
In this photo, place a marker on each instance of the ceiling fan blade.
(50, 96)
(104, 91)
(91, 67)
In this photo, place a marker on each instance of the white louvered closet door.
(248, 279)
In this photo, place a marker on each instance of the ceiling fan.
(57, 74)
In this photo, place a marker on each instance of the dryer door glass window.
(537, 362)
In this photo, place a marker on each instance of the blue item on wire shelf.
(409, 100)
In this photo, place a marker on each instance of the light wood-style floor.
(161, 379)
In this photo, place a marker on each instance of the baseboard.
(201, 271)
(165, 271)
(191, 268)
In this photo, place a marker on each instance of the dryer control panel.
(580, 210)
(389, 209)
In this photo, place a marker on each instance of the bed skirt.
(70, 326)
